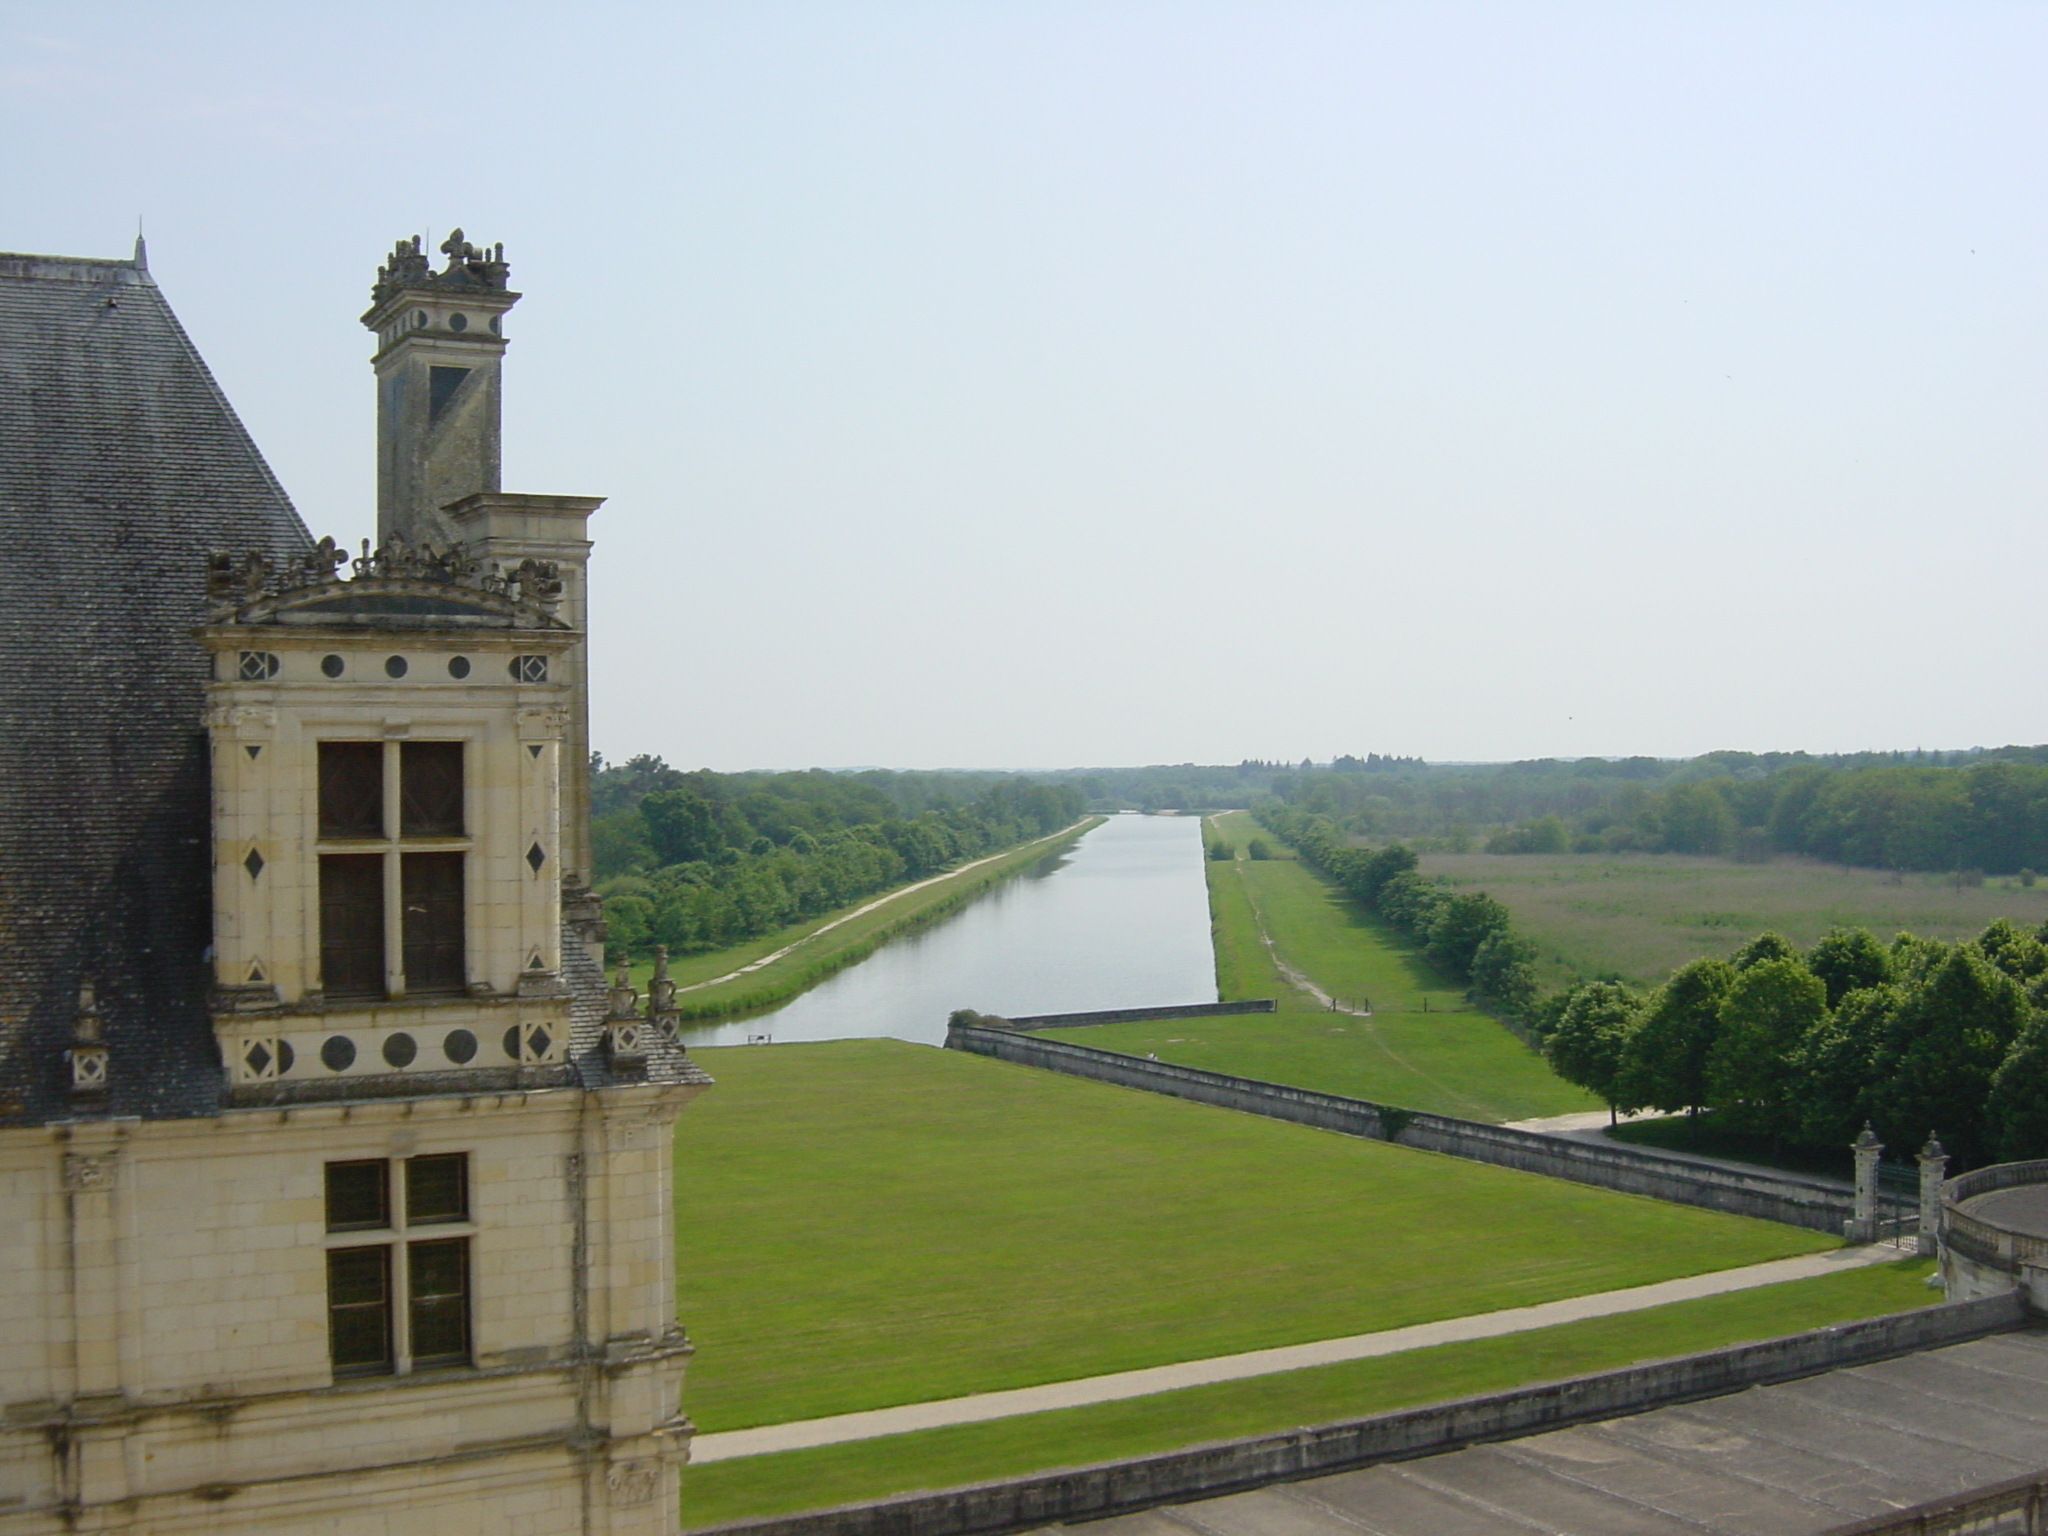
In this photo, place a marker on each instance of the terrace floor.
(2022, 1209)
(1797, 1459)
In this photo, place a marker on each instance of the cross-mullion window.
(392, 921)
(395, 1305)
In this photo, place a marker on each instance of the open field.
(864, 1223)
(1422, 1048)
(764, 1485)
(1640, 916)
(708, 987)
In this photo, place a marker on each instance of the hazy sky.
(1041, 384)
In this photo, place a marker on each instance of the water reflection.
(1120, 921)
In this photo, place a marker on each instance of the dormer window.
(369, 877)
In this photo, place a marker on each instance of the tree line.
(1967, 811)
(1916, 1037)
(1469, 936)
(703, 860)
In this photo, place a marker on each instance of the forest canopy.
(701, 860)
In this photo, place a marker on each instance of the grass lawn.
(1422, 1048)
(1640, 916)
(793, 1480)
(836, 939)
(863, 1223)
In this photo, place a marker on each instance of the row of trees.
(1916, 1037)
(702, 860)
(1469, 936)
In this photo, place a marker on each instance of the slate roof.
(121, 465)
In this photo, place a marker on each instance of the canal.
(1119, 920)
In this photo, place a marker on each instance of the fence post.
(1862, 1227)
(1933, 1168)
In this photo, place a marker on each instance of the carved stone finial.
(1868, 1141)
(88, 1053)
(469, 269)
(234, 581)
(625, 1032)
(661, 998)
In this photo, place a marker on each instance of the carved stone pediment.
(395, 586)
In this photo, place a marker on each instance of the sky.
(1040, 385)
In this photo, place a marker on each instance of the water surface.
(1120, 920)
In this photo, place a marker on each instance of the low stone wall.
(2016, 1507)
(1139, 1015)
(1773, 1197)
(1202, 1471)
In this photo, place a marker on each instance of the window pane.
(437, 1189)
(439, 1273)
(434, 958)
(352, 924)
(359, 1310)
(351, 789)
(358, 1195)
(430, 789)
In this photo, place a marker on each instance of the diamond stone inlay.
(253, 863)
(539, 1041)
(535, 858)
(258, 1058)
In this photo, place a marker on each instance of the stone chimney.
(440, 345)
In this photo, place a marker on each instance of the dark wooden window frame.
(366, 872)
(404, 1303)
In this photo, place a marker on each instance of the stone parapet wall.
(1139, 1015)
(1812, 1204)
(1088, 1493)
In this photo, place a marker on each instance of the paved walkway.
(805, 1433)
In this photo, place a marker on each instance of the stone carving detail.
(86, 1173)
(88, 1053)
(235, 581)
(409, 269)
(661, 998)
(542, 723)
(632, 1482)
(625, 1032)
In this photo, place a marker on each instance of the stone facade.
(398, 1255)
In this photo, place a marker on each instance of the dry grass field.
(1639, 916)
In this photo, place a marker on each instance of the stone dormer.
(386, 767)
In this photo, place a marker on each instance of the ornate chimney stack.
(440, 344)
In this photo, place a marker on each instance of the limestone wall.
(1773, 1197)
(164, 1359)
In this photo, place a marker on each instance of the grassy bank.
(756, 975)
(1640, 916)
(864, 1223)
(1423, 1047)
(941, 1458)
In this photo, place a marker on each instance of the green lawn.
(793, 1480)
(863, 1223)
(1640, 916)
(1422, 1048)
